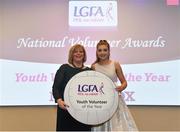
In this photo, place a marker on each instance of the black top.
(63, 75)
(65, 122)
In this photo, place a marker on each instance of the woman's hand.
(119, 89)
(62, 104)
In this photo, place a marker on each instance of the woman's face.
(103, 52)
(78, 55)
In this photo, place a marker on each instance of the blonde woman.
(122, 119)
(77, 57)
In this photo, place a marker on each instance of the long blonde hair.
(71, 51)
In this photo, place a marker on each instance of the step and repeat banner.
(35, 37)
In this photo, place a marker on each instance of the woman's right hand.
(62, 104)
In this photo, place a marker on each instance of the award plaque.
(91, 97)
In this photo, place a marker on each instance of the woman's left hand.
(119, 89)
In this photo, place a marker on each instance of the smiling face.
(103, 52)
(78, 55)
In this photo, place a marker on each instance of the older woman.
(77, 57)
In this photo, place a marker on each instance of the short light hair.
(71, 52)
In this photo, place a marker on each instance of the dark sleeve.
(58, 80)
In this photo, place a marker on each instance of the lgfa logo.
(102, 13)
(86, 11)
(91, 88)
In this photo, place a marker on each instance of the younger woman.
(122, 119)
